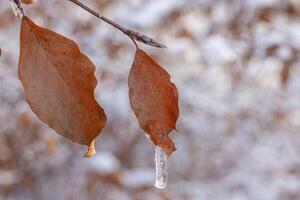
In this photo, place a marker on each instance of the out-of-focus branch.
(17, 8)
(133, 35)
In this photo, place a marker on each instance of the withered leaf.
(28, 1)
(59, 83)
(154, 100)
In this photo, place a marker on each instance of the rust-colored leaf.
(59, 83)
(28, 1)
(154, 100)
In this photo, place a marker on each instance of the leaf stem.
(133, 35)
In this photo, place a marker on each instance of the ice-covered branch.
(134, 35)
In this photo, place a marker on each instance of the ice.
(161, 160)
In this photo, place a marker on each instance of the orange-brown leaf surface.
(59, 83)
(28, 1)
(154, 100)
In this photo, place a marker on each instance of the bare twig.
(17, 8)
(133, 35)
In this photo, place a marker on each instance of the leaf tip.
(91, 151)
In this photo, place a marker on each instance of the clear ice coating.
(18, 11)
(161, 160)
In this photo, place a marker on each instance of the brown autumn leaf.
(154, 100)
(28, 1)
(59, 84)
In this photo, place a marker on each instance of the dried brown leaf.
(59, 83)
(154, 100)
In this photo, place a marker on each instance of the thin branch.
(17, 8)
(133, 35)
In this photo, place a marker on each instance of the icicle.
(161, 160)
(17, 8)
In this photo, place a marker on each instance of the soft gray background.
(239, 130)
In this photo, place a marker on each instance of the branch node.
(133, 35)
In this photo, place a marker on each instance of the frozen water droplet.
(18, 10)
(161, 160)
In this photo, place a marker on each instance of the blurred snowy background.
(237, 67)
